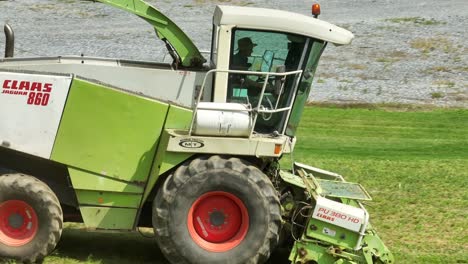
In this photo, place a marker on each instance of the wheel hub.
(15, 220)
(18, 223)
(218, 221)
(217, 218)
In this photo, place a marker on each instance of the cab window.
(264, 51)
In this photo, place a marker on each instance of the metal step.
(341, 189)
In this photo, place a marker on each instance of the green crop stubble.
(414, 164)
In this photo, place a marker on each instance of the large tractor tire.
(30, 218)
(217, 210)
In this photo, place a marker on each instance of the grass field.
(413, 163)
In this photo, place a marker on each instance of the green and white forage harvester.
(191, 148)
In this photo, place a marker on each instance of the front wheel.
(30, 218)
(217, 210)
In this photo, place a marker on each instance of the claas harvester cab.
(191, 148)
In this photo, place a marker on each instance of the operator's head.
(246, 46)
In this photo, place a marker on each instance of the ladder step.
(341, 189)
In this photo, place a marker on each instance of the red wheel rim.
(18, 223)
(218, 221)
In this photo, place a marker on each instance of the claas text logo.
(38, 93)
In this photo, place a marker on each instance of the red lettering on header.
(47, 88)
(27, 86)
(36, 86)
(14, 84)
(329, 218)
(39, 93)
(24, 85)
(6, 84)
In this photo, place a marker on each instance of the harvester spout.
(188, 54)
(10, 41)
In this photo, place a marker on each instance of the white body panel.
(221, 80)
(32, 107)
(278, 20)
(339, 214)
(258, 145)
(233, 121)
(154, 80)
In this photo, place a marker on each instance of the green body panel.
(306, 251)
(292, 179)
(374, 246)
(109, 199)
(165, 29)
(108, 218)
(84, 180)
(177, 118)
(109, 132)
(108, 139)
(330, 233)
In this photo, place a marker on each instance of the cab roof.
(284, 21)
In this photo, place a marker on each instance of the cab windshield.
(256, 52)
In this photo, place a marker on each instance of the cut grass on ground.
(413, 163)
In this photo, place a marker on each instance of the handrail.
(243, 72)
(257, 109)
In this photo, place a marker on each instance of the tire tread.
(166, 195)
(50, 204)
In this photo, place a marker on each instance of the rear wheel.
(217, 210)
(30, 218)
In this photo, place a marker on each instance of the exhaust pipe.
(10, 41)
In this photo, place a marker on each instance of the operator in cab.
(240, 62)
